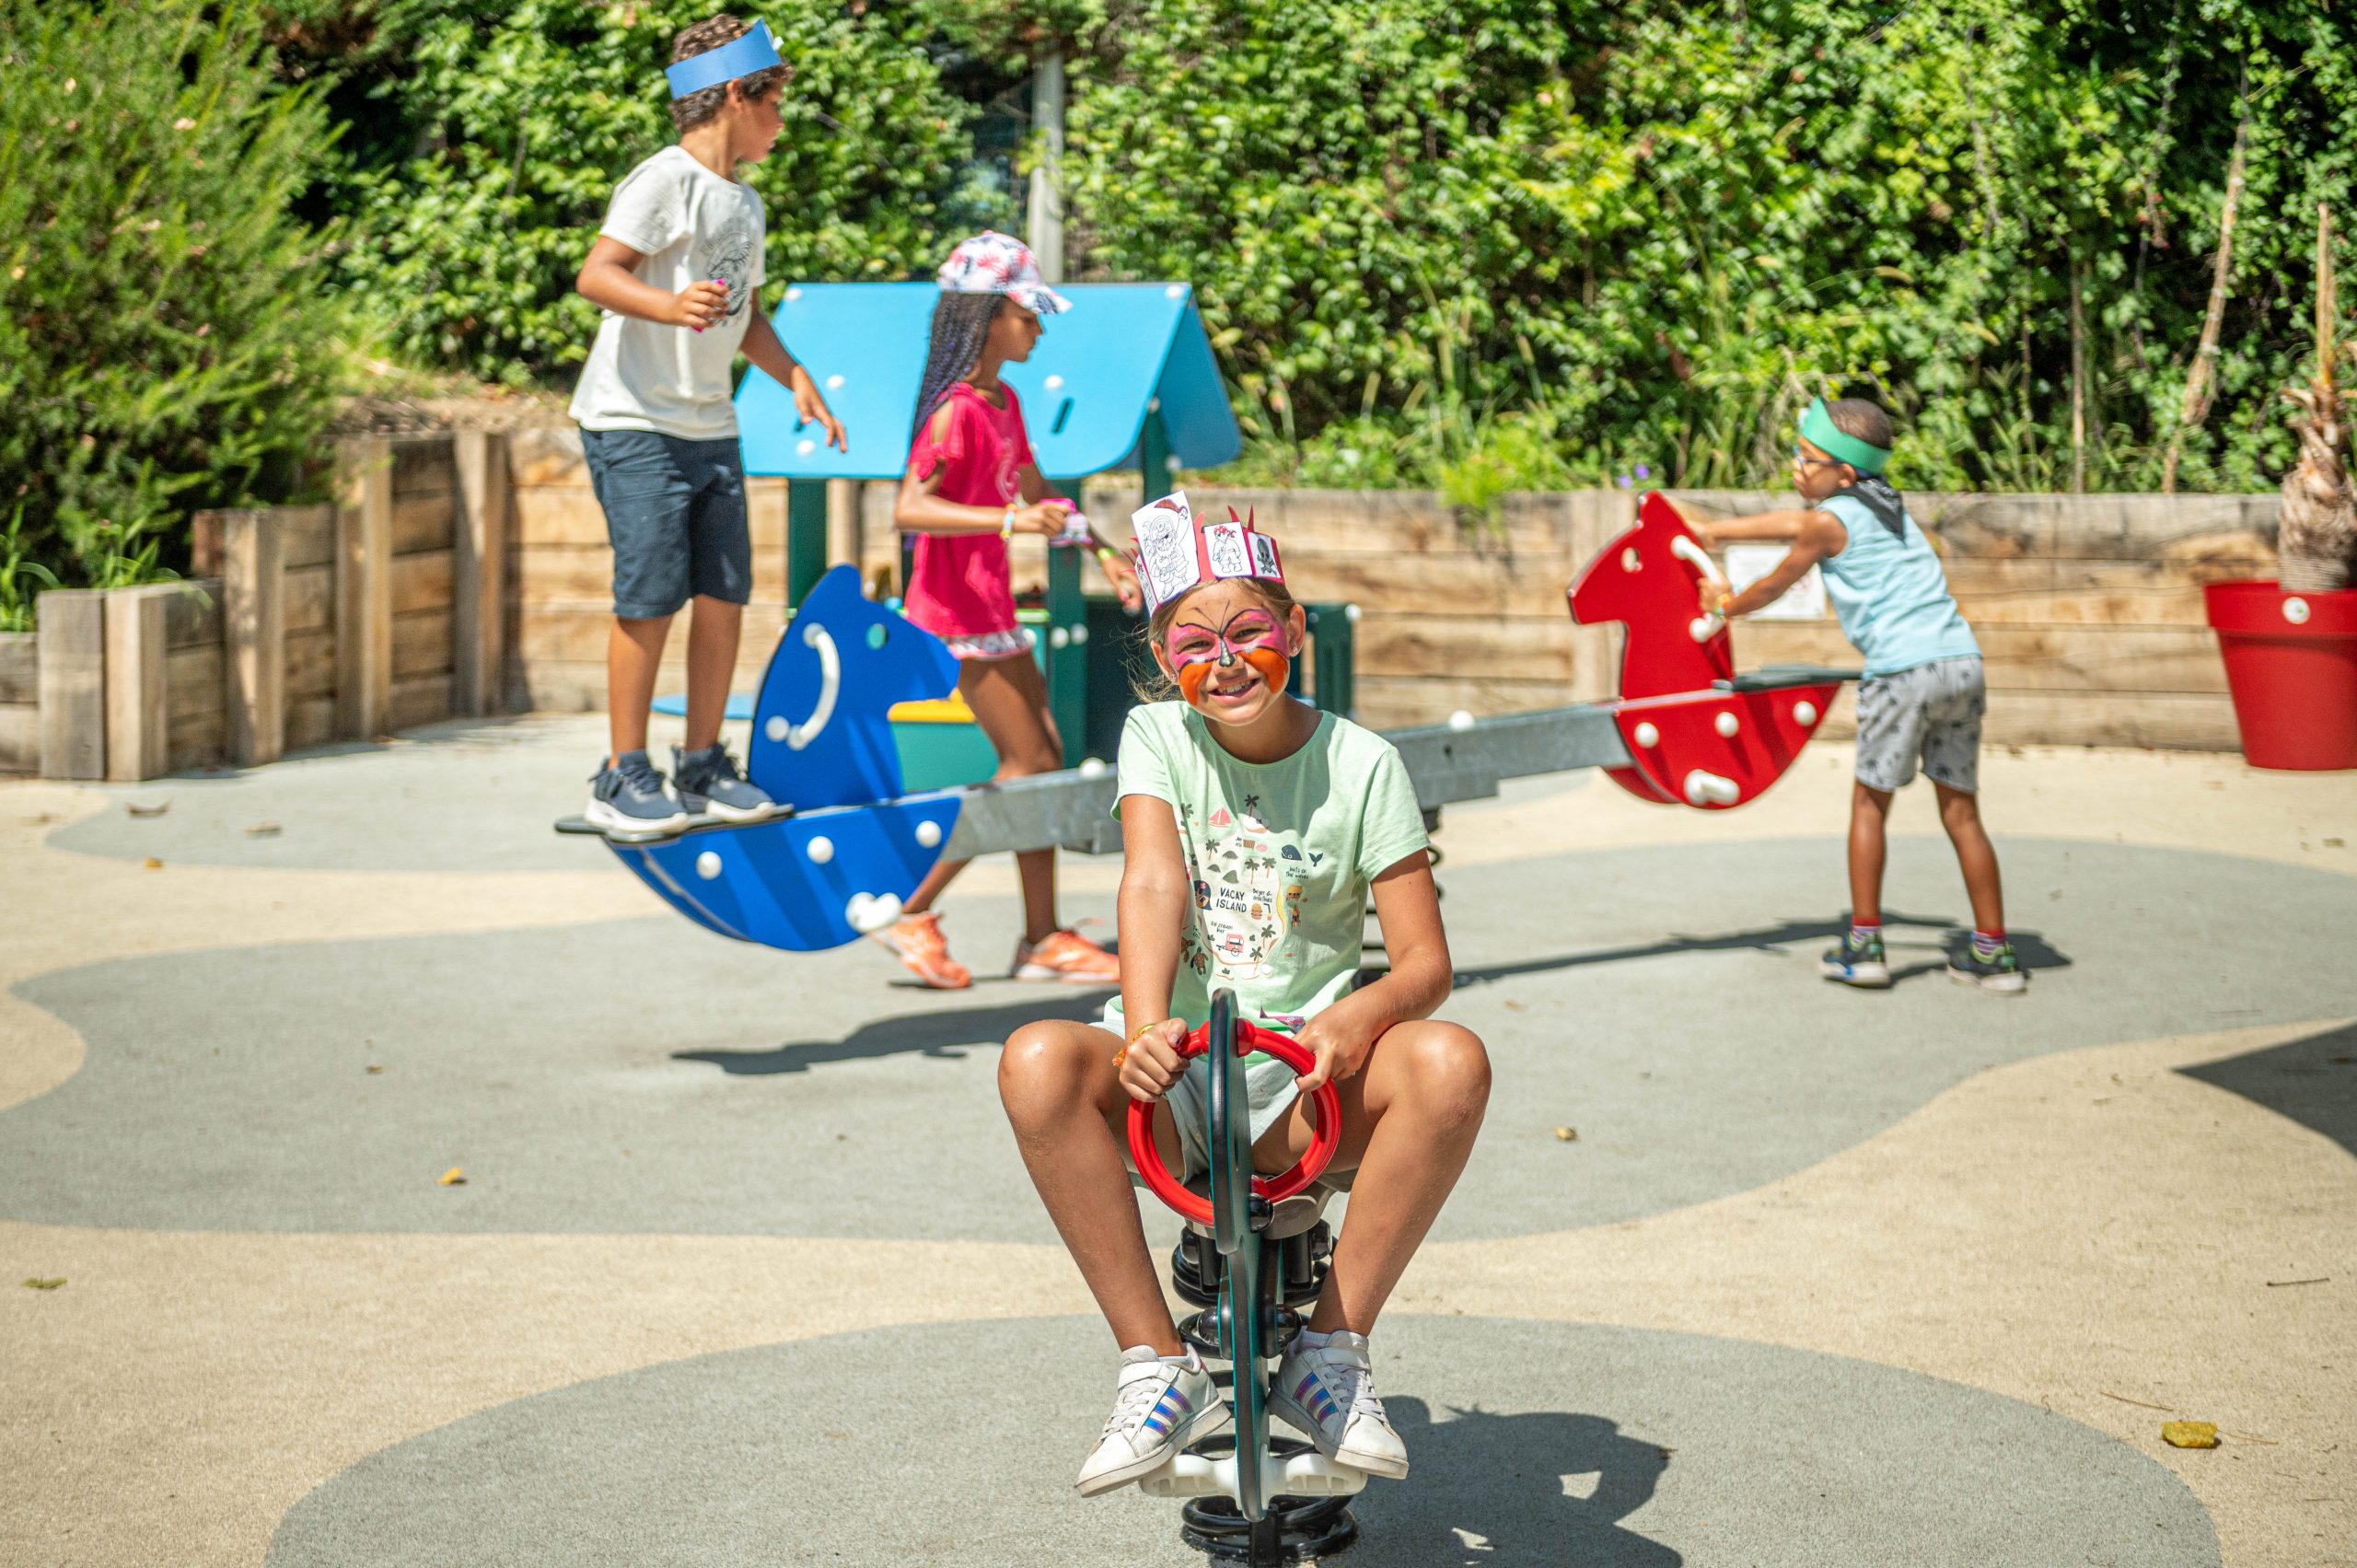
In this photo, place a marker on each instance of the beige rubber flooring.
(2090, 1231)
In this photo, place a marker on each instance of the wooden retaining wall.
(19, 701)
(2088, 607)
(561, 568)
(305, 625)
(471, 574)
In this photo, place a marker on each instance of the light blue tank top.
(1887, 587)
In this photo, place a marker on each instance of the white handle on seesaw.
(1703, 628)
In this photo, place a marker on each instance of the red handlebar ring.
(1325, 1127)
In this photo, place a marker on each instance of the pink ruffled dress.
(961, 588)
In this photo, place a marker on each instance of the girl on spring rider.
(1254, 826)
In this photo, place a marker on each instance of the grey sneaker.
(630, 796)
(709, 782)
(2000, 972)
(1856, 962)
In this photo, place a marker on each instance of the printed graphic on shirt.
(730, 260)
(1250, 878)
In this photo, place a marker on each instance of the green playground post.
(1067, 662)
(806, 538)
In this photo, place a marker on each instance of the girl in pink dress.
(971, 487)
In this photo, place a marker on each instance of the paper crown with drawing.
(1177, 553)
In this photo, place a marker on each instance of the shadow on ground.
(2312, 1080)
(1494, 1490)
(948, 1036)
(1947, 934)
(1533, 1445)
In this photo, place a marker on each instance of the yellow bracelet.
(1006, 525)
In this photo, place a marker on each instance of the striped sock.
(1986, 943)
(1861, 935)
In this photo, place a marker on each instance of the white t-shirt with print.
(691, 226)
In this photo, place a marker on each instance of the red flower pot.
(2291, 666)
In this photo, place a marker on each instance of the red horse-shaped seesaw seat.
(1693, 737)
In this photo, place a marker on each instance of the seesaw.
(1687, 730)
(1253, 1256)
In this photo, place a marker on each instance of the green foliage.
(500, 132)
(1660, 229)
(165, 342)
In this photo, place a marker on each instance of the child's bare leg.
(633, 654)
(1009, 699)
(1409, 1121)
(1960, 815)
(1064, 1098)
(1868, 807)
(714, 631)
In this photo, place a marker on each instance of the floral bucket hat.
(993, 262)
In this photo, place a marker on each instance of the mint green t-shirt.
(1278, 854)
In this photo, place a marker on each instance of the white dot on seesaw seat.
(805, 447)
(1058, 637)
(1176, 291)
(1092, 768)
(1080, 634)
(1351, 613)
(1726, 724)
(2295, 610)
(929, 834)
(777, 728)
(1805, 712)
(1055, 383)
(1648, 737)
(871, 912)
(1461, 719)
(707, 866)
(794, 293)
(821, 849)
(834, 383)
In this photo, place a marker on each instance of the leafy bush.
(497, 132)
(164, 340)
(1667, 226)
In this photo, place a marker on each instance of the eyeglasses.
(1807, 462)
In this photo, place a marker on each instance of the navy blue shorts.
(675, 514)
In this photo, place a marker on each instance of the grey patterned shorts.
(1933, 712)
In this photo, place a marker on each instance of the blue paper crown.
(740, 56)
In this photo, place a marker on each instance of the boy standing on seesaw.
(1924, 694)
(678, 269)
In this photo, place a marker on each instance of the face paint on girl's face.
(1216, 657)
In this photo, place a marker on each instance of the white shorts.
(1013, 643)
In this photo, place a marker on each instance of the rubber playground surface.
(744, 1268)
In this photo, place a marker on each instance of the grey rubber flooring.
(1531, 1443)
(644, 1076)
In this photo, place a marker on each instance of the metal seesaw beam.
(1074, 809)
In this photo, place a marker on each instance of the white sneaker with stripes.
(1159, 1407)
(1325, 1388)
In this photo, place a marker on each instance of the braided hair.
(961, 321)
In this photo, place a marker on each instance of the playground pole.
(805, 537)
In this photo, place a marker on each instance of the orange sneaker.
(1068, 957)
(918, 941)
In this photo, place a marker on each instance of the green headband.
(1818, 430)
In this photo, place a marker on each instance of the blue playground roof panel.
(1086, 389)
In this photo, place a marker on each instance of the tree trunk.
(2319, 534)
(2197, 379)
(2317, 546)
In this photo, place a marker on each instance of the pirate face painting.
(1229, 653)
